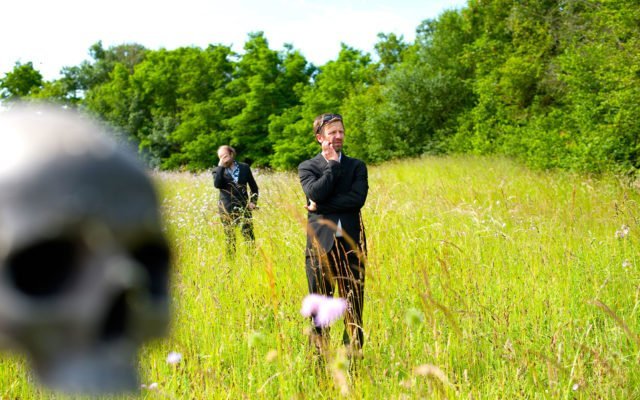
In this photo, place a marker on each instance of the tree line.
(555, 83)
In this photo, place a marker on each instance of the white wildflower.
(623, 232)
(174, 357)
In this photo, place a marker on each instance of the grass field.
(484, 280)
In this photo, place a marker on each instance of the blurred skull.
(83, 261)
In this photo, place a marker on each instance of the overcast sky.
(53, 34)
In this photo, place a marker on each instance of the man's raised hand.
(329, 152)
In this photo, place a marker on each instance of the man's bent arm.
(352, 201)
(254, 188)
(318, 189)
(218, 177)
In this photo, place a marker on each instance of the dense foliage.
(555, 83)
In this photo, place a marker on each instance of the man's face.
(333, 133)
(225, 156)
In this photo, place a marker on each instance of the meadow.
(484, 280)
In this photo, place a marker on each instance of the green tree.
(23, 81)
(92, 73)
(552, 82)
(203, 89)
(291, 132)
(176, 100)
(415, 107)
(113, 102)
(600, 66)
(265, 84)
(390, 50)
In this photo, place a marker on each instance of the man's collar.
(339, 157)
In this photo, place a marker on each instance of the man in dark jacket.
(336, 188)
(235, 204)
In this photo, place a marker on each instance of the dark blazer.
(234, 196)
(340, 191)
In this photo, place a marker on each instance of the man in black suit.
(336, 188)
(235, 204)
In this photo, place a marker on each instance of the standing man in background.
(336, 188)
(233, 178)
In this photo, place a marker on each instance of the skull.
(83, 262)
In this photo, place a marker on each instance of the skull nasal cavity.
(116, 319)
(43, 269)
(154, 258)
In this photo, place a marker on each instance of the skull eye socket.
(45, 268)
(154, 257)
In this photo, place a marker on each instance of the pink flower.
(623, 232)
(324, 310)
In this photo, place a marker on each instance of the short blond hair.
(324, 119)
(229, 149)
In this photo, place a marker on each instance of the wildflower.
(414, 317)
(339, 368)
(174, 357)
(623, 232)
(575, 387)
(432, 371)
(256, 339)
(324, 310)
(508, 349)
(626, 264)
(271, 355)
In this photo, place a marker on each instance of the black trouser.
(230, 221)
(342, 267)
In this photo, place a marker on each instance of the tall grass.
(484, 280)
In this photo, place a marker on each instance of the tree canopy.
(555, 83)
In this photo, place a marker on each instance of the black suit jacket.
(234, 196)
(340, 191)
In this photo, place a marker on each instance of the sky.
(54, 34)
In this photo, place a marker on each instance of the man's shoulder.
(218, 170)
(309, 162)
(353, 160)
